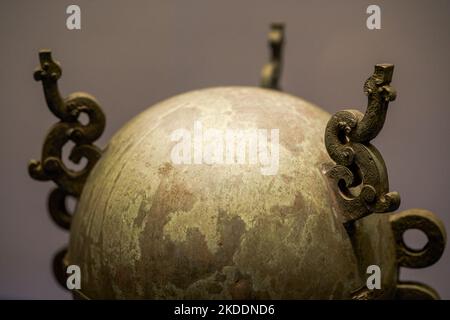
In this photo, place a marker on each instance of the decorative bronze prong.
(69, 128)
(359, 174)
(51, 166)
(271, 72)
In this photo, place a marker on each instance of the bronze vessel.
(146, 227)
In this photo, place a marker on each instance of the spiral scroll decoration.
(359, 170)
(51, 166)
(271, 72)
(433, 228)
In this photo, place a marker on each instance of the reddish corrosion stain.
(180, 264)
(297, 208)
(241, 289)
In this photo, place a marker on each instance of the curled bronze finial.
(408, 257)
(69, 128)
(428, 223)
(60, 265)
(271, 72)
(359, 171)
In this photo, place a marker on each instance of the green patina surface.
(148, 228)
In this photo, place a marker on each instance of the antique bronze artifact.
(148, 227)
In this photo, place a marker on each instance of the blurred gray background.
(132, 54)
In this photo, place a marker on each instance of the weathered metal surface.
(271, 72)
(69, 128)
(147, 228)
(360, 175)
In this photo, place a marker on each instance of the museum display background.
(132, 54)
